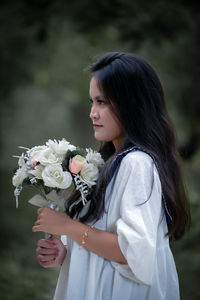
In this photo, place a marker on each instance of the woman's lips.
(95, 126)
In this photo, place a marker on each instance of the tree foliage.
(26, 23)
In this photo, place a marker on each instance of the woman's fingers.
(36, 228)
(46, 251)
(46, 247)
(39, 210)
(45, 258)
(37, 222)
(50, 221)
(47, 264)
(51, 242)
(44, 243)
(43, 220)
(49, 261)
(51, 252)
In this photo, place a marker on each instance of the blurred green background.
(44, 48)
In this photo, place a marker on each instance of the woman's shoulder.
(136, 164)
(137, 158)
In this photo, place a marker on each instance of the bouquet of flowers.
(55, 169)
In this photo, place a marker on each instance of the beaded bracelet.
(84, 237)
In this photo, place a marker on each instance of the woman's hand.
(51, 252)
(98, 241)
(50, 221)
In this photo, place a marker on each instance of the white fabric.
(134, 211)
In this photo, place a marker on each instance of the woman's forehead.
(95, 90)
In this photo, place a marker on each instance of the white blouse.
(135, 212)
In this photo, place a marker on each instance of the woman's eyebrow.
(98, 97)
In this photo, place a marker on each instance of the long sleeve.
(138, 195)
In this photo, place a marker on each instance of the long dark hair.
(134, 90)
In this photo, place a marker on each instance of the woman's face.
(105, 123)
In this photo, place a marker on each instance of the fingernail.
(53, 245)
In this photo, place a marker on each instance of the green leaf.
(39, 201)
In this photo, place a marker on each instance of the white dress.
(134, 211)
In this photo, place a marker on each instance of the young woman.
(118, 243)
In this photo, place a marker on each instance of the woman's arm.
(101, 242)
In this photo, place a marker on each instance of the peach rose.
(76, 164)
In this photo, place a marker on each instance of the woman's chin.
(98, 137)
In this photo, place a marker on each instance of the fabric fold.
(140, 211)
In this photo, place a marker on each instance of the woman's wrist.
(98, 241)
(68, 225)
(76, 230)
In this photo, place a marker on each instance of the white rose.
(19, 176)
(94, 157)
(37, 171)
(21, 161)
(89, 174)
(47, 157)
(60, 147)
(35, 152)
(54, 176)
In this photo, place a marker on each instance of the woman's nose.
(94, 113)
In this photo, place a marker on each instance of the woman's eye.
(98, 101)
(101, 102)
